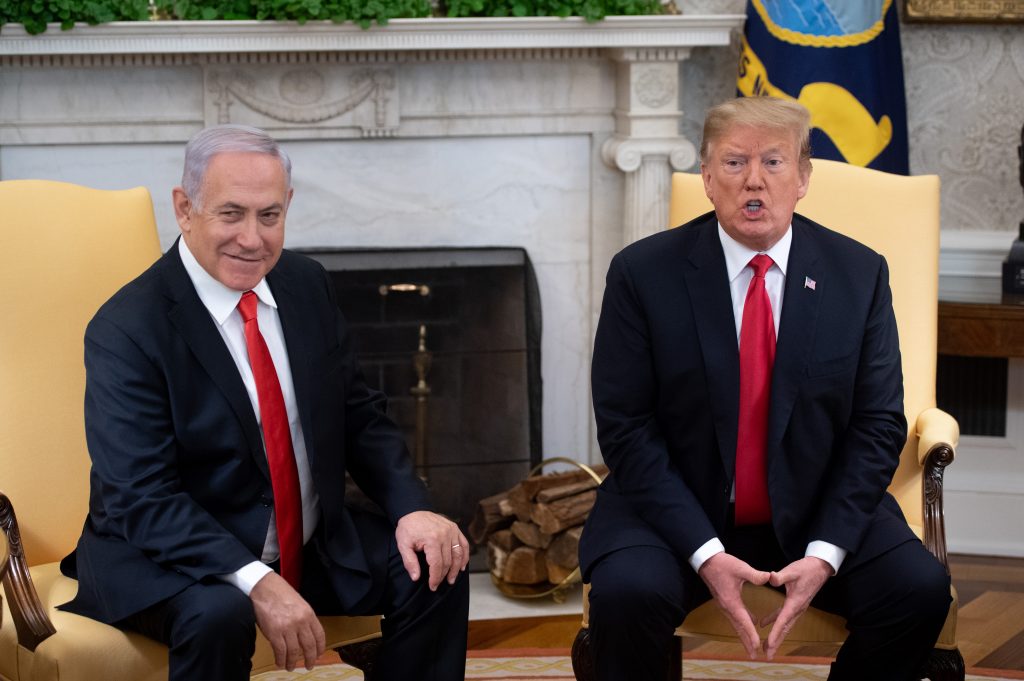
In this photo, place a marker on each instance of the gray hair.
(219, 139)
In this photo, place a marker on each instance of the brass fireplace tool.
(421, 361)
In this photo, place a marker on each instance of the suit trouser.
(895, 605)
(210, 627)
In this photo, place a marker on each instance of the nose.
(248, 236)
(755, 176)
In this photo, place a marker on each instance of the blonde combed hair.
(759, 112)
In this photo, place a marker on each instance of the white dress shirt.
(737, 257)
(222, 303)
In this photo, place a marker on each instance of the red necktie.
(757, 355)
(277, 439)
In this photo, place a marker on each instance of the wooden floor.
(990, 623)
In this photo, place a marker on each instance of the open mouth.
(752, 208)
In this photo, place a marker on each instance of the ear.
(182, 209)
(805, 181)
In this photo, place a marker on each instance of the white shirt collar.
(220, 300)
(737, 256)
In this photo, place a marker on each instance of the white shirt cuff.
(707, 549)
(830, 553)
(245, 578)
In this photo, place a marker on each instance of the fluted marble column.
(647, 145)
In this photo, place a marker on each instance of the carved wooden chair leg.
(583, 661)
(362, 656)
(944, 665)
(582, 658)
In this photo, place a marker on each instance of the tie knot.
(760, 264)
(247, 306)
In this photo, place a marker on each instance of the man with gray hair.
(224, 406)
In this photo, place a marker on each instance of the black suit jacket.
(665, 381)
(180, 489)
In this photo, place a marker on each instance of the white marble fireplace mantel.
(554, 135)
(489, 33)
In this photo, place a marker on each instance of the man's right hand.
(288, 622)
(725, 575)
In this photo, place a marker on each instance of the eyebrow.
(738, 152)
(231, 205)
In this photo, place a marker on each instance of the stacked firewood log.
(532, 531)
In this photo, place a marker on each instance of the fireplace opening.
(452, 336)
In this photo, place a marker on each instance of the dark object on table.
(1013, 266)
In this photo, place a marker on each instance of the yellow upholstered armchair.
(898, 217)
(64, 250)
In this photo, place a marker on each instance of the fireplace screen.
(452, 336)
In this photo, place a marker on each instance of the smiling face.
(754, 178)
(237, 233)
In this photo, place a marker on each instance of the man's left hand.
(803, 579)
(444, 545)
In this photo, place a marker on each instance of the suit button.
(266, 501)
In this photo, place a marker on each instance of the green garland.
(591, 10)
(363, 13)
(36, 14)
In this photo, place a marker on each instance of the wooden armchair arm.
(4, 555)
(935, 427)
(938, 434)
(30, 619)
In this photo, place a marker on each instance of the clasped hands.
(725, 575)
(291, 626)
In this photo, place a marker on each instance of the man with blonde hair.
(749, 402)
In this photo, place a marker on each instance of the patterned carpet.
(532, 667)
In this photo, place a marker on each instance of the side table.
(982, 327)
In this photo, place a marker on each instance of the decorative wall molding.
(970, 263)
(627, 154)
(368, 58)
(963, 10)
(304, 95)
(655, 89)
(649, 54)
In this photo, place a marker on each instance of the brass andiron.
(421, 361)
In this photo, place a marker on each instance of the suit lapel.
(800, 305)
(708, 283)
(294, 324)
(192, 321)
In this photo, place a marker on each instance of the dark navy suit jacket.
(180, 489)
(665, 382)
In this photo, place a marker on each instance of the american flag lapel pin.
(809, 283)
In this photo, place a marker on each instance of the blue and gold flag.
(841, 59)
